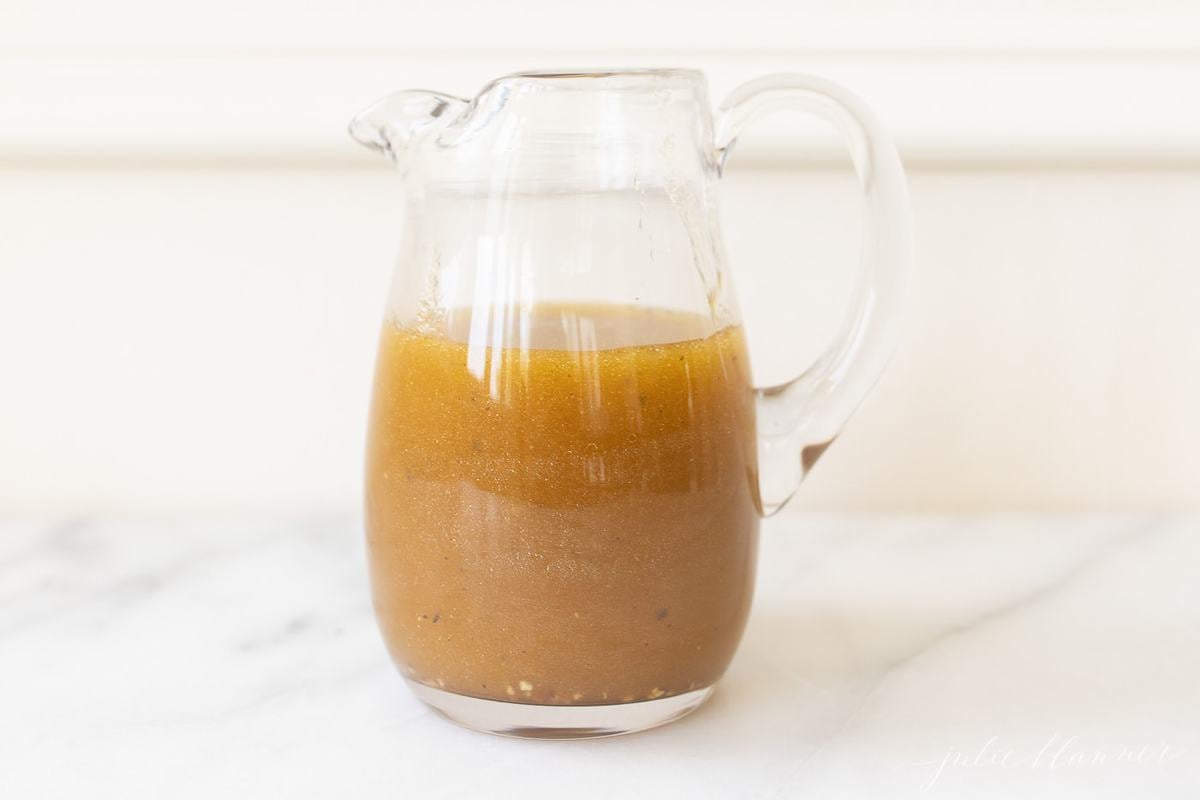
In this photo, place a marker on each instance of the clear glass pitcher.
(567, 460)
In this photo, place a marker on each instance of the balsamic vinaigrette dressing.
(566, 518)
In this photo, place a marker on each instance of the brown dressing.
(567, 518)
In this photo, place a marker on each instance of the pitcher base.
(528, 721)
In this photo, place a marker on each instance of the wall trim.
(947, 107)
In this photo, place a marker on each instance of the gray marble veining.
(991, 656)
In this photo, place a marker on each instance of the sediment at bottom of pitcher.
(532, 721)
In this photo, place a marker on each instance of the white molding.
(532, 25)
(88, 103)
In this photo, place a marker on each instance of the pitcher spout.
(392, 123)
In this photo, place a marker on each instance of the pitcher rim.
(605, 72)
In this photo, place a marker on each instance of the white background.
(193, 255)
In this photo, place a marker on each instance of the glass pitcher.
(567, 460)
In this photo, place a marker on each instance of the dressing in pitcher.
(567, 460)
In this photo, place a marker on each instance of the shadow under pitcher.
(567, 459)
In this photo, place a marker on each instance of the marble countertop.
(998, 656)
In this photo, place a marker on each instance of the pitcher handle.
(799, 419)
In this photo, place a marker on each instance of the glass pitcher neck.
(589, 130)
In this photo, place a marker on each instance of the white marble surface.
(1008, 656)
